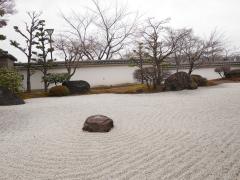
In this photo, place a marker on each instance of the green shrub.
(10, 79)
(55, 78)
(233, 73)
(59, 91)
(201, 81)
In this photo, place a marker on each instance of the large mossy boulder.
(201, 81)
(8, 98)
(179, 81)
(77, 87)
(98, 123)
(235, 73)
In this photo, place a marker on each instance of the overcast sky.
(201, 15)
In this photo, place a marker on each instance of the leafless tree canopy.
(156, 40)
(178, 54)
(161, 42)
(72, 52)
(215, 46)
(102, 32)
(196, 49)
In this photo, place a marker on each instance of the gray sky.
(201, 15)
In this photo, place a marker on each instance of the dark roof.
(5, 54)
(60, 64)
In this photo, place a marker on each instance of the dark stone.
(77, 87)
(8, 98)
(201, 81)
(233, 73)
(193, 85)
(98, 123)
(179, 81)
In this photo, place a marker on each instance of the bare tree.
(160, 42)
(29, 35)
(80, 30)
(194, 50)
(227, 53)
(115, 26)
(139, 59)
(178, 58)
(230, 53)
(215, 46)
(72, 52)
(235, 54)
(178, 54)
(111, 30)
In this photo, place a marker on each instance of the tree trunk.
(45, 82)
(141, 68)
(177, 66)
(28, 79)
(159, 74)
(29, 72)
(190, 69)
(45, 86)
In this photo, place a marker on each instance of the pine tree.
(43, 46)
(30, 38)
(6, 8)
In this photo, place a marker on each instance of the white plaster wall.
(205, 72)
(96, 76)
(110, 75)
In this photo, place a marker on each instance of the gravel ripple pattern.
(164, 136)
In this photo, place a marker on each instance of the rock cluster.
(179, 81)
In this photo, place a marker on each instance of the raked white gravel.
(171, 135)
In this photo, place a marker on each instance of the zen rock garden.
(91, 93)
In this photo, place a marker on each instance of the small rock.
(98, 123)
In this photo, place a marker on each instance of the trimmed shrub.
(201, 81)
(59, 91)
(233, 73)
(10, 79)
(223, 70)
